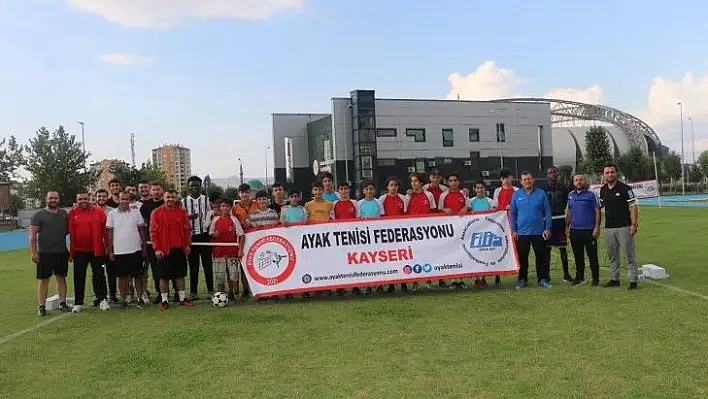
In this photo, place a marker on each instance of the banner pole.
(656, 175)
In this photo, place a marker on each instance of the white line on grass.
(677, 289)
(35, 327)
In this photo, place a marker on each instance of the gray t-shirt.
(108, 209)
(52, 230)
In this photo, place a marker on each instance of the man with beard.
(114, 188)
(127, 236)
(110, 270)
(582, 223)
(170, 233)
(156, 192)
(144, 191)
(198, 208)
(133, 191)
(48, 231)
(530, 227)
(621, 224)
(87, 244)
(558, 198)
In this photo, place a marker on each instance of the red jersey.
(82, 229)
(170, 229)
(422, 203)
(503, 198)
(394, 205)
(229, 230)
(453, 200)
(436, 191)
(344, 209)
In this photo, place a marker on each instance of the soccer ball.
(220, 299)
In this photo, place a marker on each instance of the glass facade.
(319, 139)
(364, 135)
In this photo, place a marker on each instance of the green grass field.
(564, 342)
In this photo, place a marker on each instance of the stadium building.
(369, 138)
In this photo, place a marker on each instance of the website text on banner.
(641, 189)
(362, 253)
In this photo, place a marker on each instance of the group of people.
(134, 229)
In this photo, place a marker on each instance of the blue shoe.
(521, 284)
(545, 284)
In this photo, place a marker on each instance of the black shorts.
(52, 264)
(558, 237)
(129, 265)
(173, 265)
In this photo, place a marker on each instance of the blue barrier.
(680, 201)
(14, 240)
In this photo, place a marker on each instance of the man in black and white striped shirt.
(198, 208)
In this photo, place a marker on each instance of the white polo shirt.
(126, 237)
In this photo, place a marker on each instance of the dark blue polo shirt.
(582, 206)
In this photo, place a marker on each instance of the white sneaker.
(104, 305)
(145, 299)
(428, 286)
(128, 299)
(77, 309)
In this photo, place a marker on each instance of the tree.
(11, 158)
(597, 150)
(56, 161)
(565, 175)
(635, 166)
(127, 174)
(671, 164)
(18, 203)
(703, 162)
(231, 193)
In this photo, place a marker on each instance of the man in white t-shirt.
(126, 231)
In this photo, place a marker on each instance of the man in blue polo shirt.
(531, 228)
(582, 224)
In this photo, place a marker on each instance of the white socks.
(181, 295)
(165, 298)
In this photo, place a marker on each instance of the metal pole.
(693, 143)
(240, 170)
(266, 166)
(83, 137)
(683, 159)
(656, 176)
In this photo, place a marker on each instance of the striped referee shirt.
(201, 207)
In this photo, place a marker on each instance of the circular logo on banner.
(485, 241)
(417, 269)
(651, 189)
(271, 260)
(407, 269)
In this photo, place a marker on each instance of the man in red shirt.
(453, 201)
(344, 207)
(421, 202)
(87, 243)
(434, 186)
(171, 235)
(502, 195)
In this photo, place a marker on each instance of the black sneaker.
(441, 284)
(404, 287)
(123, 305)
(369, 290)
(64, 308)
(391, 288)
(341, 292)
(306, 295)
(595, 283)
(461, 285)
(632, 287)
(356, 291)
(577, 282)
(380, 288)
(612, 283)
(96, 302)
(42, 311)
(114, 299)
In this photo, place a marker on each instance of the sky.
(208, 74)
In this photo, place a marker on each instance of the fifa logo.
(485, 240)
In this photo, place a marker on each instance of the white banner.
(371, 252)
(641, 189)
